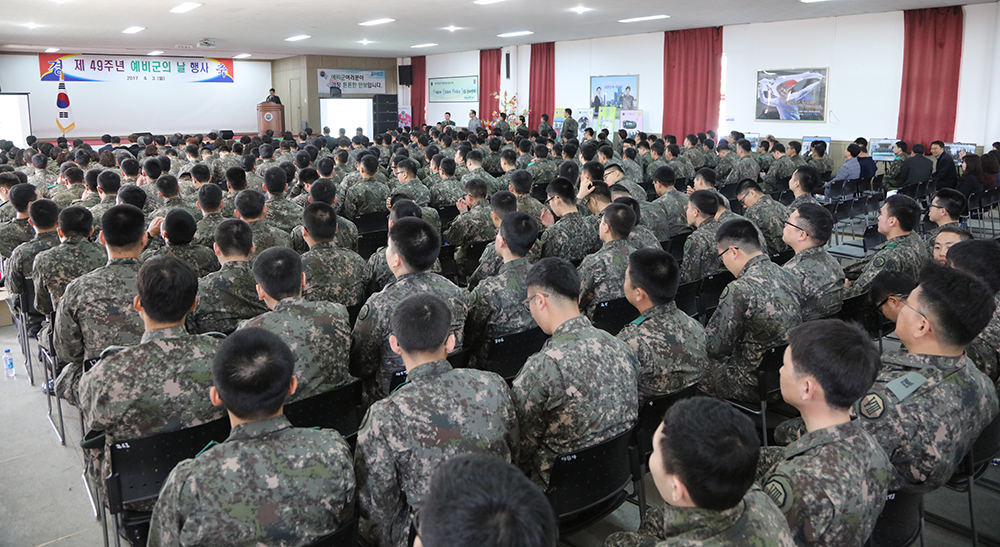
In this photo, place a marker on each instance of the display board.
(954, 148)
(631, 122)
(620, 91)
(460, 89)
(114, 68)
(15, 118)
(807, 143)
(347, 113)
(792, 95)
(334, 82)
(881, 149)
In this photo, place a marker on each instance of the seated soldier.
(317, 332)
(252, 208)
(169, 190)
(567, 234)
(700, 257)
(946, 237)
(409, 185)
(438, 413)
(904, 252)
(19, 230)
(641, 236)
(933, 393)
(473, 224)
(671, 202)
(820, 276)
(580, 388)
(299, 482)
(805, 180)
(132, 195)
(281, 212)
(669, 344)
(980, 259)
(325, 191)
(378, 268)
(108, 184)
(502, 204)
(767, 214)
(368, 195)
(333, 274)
(179, 229)
(411, 251)
(888, 293)
(832, 482)
(210, 203)
(946, 209)
(755, 313)
(602, 274)
(704, 457)
(484, 501)
(520, 185)
(495, 308)
(228, 296)
(42, 214)
(448, 190)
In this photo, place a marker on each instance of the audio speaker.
(405, 75)
(507, 64)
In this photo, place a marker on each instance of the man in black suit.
(945, 174)
(271, 97)
(916, 168)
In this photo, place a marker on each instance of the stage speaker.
(405, 75)
(226, 134)
(385, 112)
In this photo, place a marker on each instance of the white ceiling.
(259, 27)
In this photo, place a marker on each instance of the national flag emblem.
(64, 118)
(62, 100)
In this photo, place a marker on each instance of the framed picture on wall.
(460, 89)
(792, 95)
(617, 91)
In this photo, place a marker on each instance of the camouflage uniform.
(205, 233)
(579, 390)
(822, 281)
(670, 347)
(169, 204)
(201, 260)
(17, 269)
(926, 411)
(766, 160)
(225, 298)
(446, 192)
(982, 351)
(906, 254)
(7, 212)
(472, 226)
(14, 233)
(780, 169)
(318, 334)
(523, 161)
(635, 191)
(527, 204)
(68, 194)
(543, 171)
(371, 357)
(673, 204)
(267, 235)
(347, 236)
(695, 156)
(283, 213)
(87, 201)
(823, 165)
(753, 522)
(831, 484)
(799, 200)
(492, 184)
(893, 171)
(414, 191)
(755, 313)
(367, 196)
(334, 274)
(701, 255)
(769, 217)
(642, 237)
(438, 413)
(602, 275)
(268, 484)
(725, 166)
(491, 164)
(42, 181)
(682, 167)
(745, 168)
(572, 237)
(633, 170)
(495, 308)
(54, 269)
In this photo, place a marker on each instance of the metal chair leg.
(61, 428)
(763, 420)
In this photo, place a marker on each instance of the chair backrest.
(447, 215)
(372, 222)
(26, 300)
(590, 476)
(851, 187)
(473, 253)
(836, 190)
(987, 445)
(711, 288)
(612, 315)
(677, 245)
(507, 354)
(872, 237)
(784, 256)
(651, 415)
(783, 183)
(139, 466)
(460, 359)
(687, 297)
(786, 197)
(728, 190)
(540, 192)
(768, 377)
(346, 536)
(340, 409)
(370, 242)
(900, 521)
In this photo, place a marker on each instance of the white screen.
(15, 121)
(347, 113)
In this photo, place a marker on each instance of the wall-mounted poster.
(607, 117)
(620, 91)
(631, 122)
(584, 118)
(115, 68)
(405, 116)
(462, 89)
(794, 95)
(334, 82)
(557, 120)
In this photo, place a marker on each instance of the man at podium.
(272, 98)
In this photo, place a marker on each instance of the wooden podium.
(270, 116)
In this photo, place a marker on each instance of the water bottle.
(8, 363)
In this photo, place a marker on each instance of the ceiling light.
(297, 38)
(365, 42)
(155, 52)
(133, 30)
(374, 22)
(811, 1)
(639, 19)
(241, 56)
(513, 34)
(52, 50)
(452, 28)
(486, 2)
(185, 7)
(580, 10)
(423, 45)
(18, 46)
(31, 26)
(60, 1)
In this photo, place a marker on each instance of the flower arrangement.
(508, 105)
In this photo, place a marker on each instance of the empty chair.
(686, 298)
(507, 354)
(340, 409)
(612, 315)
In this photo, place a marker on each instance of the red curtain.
(692, 80)
(542, 83)
(418, 91)
(489, 83)
(932, 57)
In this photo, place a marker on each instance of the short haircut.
(481, 500)
(808, 177)
(167, 288)
(133, 195)
(421, 323)
(76, 221)
(739, 233)
(475, 156)
(123, 226)
(275, 181)
(853, 150)
(556, 275)
(962, 233)
(130, 167)
(519, 231)
(705, 201)
(712, 448)
(887, 283)
(476, 187)
(369, 164)
(323, 191)
(978, 258)
(210, 197)
(818, 222)
(503, 203)
(708, 175)
(601, 192)
(278, 270)
(570, 170)
(179, 226)
(795, 145)
(320, 220)
(109, 182)
(201, 173)
(447, 166)
(236, 178)
(152, 168)
(234, 237)
(521, 180)
(664, 175)
(167, 185)
(918, 149)
(746, 185)
(250, 204)
(744, 145)
(903, 146)
(405, 208)
(656, 272)
(777, 147)
(905, 210)
(952, 200)
(564, 189)
(620, 219)
(21, 195)
(416, 242)
(252, 372)
(955, 302)
(594, 169)
(841, 356)
(325, 167)
(44, 213)
(939, 143)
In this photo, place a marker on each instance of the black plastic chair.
(711, 289)
(353, 312)
(540, 192)
(370, 242)
(768, 383)
(473, 252)
(686, 298)
(507, 354)
(372, 222)
(346, 536)
(859, 249)
(613, 315)
(786, 197)
(446, 257)
(589, 484)
(141, 465)
(448, 215)
(341, 409)
(782, 257)
(901, 521)
(677, 245)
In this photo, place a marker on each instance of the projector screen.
(347, 113)
(15, 121)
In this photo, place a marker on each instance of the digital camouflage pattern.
(577, 391)
(926, 411)
(821, 280)
(528, 204)
(225, 298)
(19, 266)
(413, 191)
(372, 358)
(438, 413)
(769, 217)
(543, 171)
(602, 275)
(670, 346)
(283, 212)
(754, 522)
(642, 237)
(983, 350)
(571, 237)
(472, 226)
(14, 233)
(318, 333)
(701, 255)
(492, 184)
(495, 308)
(53, 270)
(906, 254)
(267, 235)
(367, 196)
(673, 204)
(782, 168)
(199, 258)
(744, 168)
(268, 484)
(695, 156)
(205, 233)
(67, 194)
(682, 167)
(893, 172)
(169, 204)
(831, 484)
(446, 192)
(652, 166)
(334, 274)
(823, 165)
(801, 199)
(755, 313)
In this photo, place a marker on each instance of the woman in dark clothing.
(972, 175)
(990, 169)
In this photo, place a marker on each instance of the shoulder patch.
(872, 406)
(879, 262)
(905, 385)
(363, 314)
(725, 293)
(779, 489)
(639, 320)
